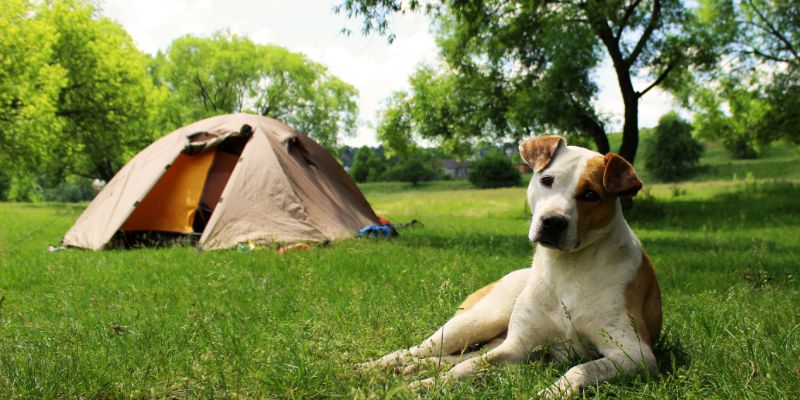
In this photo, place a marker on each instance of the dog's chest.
(580, 299)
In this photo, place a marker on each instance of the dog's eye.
(546, 181)
(589, 195)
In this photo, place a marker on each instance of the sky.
(369, 63)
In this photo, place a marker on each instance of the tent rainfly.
(232, 179)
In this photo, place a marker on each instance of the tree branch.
(624, 21)
(657, 81)
(768, 56)
(651, 26)
(774, 32)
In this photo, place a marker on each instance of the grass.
(178, 323)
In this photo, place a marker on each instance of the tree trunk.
(622, 67)
(630, 129)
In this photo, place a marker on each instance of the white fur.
(570, 304)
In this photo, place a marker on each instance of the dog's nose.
(554, 223)
(551, 231)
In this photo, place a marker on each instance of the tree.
(304, 94)
(741, 128)
(108, 101)
(413, 170)
(207, 76)
(752, 98)
(552, 46)
(229, 73)
(29, 89)
(494, 170)
(429, 112)
(367, 166)
(673, 153)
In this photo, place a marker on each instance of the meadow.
(178, 323)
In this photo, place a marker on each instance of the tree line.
(513, 68)
(78, 99)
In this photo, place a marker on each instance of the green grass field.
(178, 323)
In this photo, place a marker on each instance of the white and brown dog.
(591, 292)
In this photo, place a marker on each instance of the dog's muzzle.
(552, 230)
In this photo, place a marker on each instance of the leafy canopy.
(521, 67)
(229, 73)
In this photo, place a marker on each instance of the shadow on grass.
(760, 205)
(671, 353)
(757, 206)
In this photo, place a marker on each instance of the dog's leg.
(484, 320)
(510, 351)
(476, 325)
(619, 359)
(445, 362)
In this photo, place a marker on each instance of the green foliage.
(493, 170)
(77, 98)
(742, 128)
(751, 99)
(517, 67)
(74, 189)
(782, 121)
(673, 153)
(413, 170)
(108, 102)
(229, 73)
(207, 76)
(367, 166)
(29, 89)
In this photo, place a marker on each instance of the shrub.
(740, 148)
(72, 190)
(413, 170)
(5, 185)
(367, 166)
(672, 152)
(493, 170)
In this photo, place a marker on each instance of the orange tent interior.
(172, 203)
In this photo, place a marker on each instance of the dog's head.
(574, 192)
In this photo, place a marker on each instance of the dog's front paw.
(422, 384)
(561, 389)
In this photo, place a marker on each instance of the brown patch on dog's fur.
(474, 298)
(593, 214)
(539, 151)
(643, 302)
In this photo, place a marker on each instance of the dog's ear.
(619, 177)
(539, 151)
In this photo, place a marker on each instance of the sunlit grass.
(179, 323)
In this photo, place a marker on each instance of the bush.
(740, 148)
(493, 170)
(74, 189)
(413, 170)
(672, 153)
(367, 166)
(5, 185)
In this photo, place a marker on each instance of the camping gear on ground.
(378, 231)
(228, 179)
(293, 247)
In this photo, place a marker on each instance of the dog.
(590, 294)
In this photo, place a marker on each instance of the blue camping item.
(377, 231)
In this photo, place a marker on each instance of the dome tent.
(231, 179)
